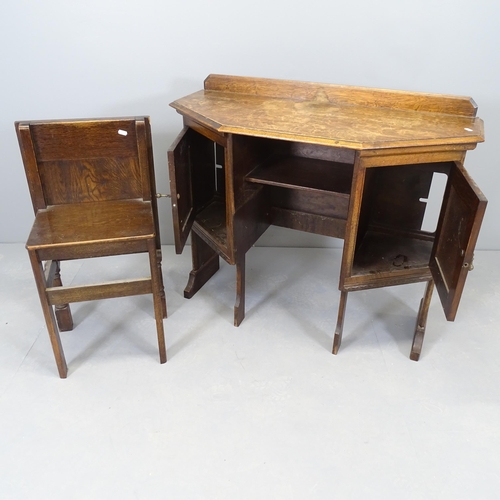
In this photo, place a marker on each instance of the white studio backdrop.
(99, 58)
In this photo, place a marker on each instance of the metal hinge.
(471, 265)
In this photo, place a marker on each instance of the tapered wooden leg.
(205, 265)
(162, 288)
(423, 312)
(337, 338)
(239, 306)
(48, 313)
(157, 299)
(63, 312)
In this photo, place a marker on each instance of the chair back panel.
(94, 179)
(87, 160)
(83, 139)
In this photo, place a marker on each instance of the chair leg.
(63, 312)
(239, 306)
(48, 313)
(157, 299)
(162, 287)
(337, 339)
(418, 338)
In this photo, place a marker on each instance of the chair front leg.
(48, 312)
(156, 283)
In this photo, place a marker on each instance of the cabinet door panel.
(183, 212)
(456, 235)
(191, 169)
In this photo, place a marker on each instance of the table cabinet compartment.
(307, 187)
(390, 241)
(197, 185)
(391, 246)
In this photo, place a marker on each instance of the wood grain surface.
(350, 117)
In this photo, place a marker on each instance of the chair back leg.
(63, 312)
(162, 293)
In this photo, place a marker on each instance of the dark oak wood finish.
(458, 228)
(347, 162)
(93, 193)
(205, 265)
(423, 311)
(337, 336)
(63, 312)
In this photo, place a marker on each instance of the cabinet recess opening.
(399, 215)
(307, 186)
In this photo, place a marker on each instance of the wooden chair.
(93, 191)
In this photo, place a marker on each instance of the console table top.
(337, 115)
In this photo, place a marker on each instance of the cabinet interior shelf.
(307, 174)
(212, 222)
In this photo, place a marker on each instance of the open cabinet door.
(456, 235)
(191, 165)
(179, 168)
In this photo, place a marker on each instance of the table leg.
(423, 312)
(239, 306)
(205, 265)
(337, 338)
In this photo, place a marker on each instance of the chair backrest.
(77, 161)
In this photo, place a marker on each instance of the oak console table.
(348, 162)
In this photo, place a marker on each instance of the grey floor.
(263, 411)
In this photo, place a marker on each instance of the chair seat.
(92, 222)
